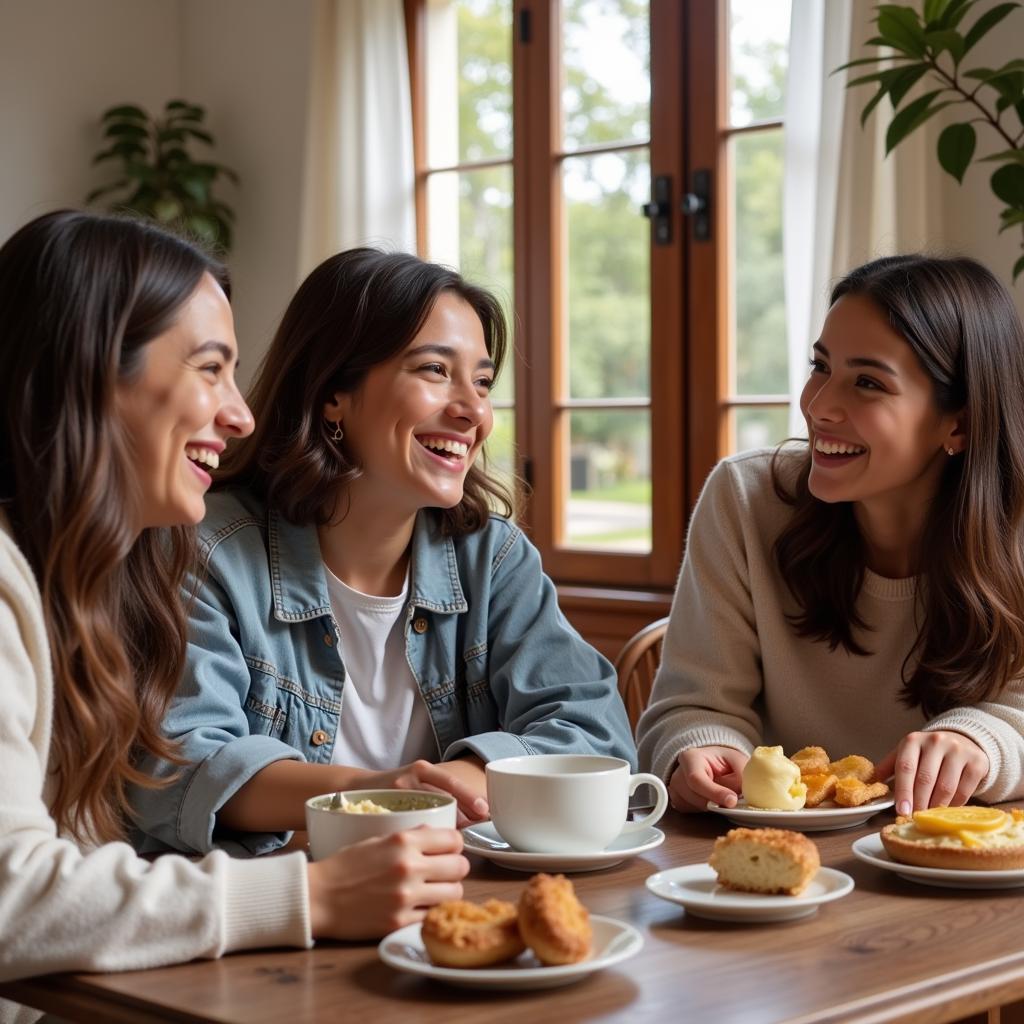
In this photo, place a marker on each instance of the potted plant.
(930, 46)
(158, 177)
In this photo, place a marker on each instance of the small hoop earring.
(949, 451)
(339, 433)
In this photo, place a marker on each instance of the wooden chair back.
(635, 666)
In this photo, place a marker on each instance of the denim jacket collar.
(300, 585)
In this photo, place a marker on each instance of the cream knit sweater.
(65, 908)
(734, 674)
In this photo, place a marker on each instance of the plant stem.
(955, 85)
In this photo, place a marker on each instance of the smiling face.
(877, 435)
(419, 420)
(182, 408)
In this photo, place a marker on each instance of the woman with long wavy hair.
(864, 591)
(363, 620)
(117, 395)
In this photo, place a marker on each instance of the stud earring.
(339, 433)
(949, 451)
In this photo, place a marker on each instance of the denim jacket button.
(420, 625)
(319, 738)
(328, 639)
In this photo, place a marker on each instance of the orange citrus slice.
(946, 820)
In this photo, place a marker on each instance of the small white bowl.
(330, 829)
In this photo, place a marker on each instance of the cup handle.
(660, 806)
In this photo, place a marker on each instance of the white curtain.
(358, 187)
(844, 201)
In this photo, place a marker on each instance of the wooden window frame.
(689, 297)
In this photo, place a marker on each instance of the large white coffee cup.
(566, 803)
(331, 825)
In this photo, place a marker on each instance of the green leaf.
(205, 227)
(1010, 219)
(1018, 269)
(171, 135)
(956, 147)
(198, 188)
(901, 29)
(946, 39)
(1008, 185)
(1016, 155)
(911, 116)
(870, 60)
(904, 80)
(166, 209)
(934, 9)
(987, 21)
(136, 113)
(123, 128)
(955, 12)
(197, 134)
(177, 105)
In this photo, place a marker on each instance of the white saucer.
(613, 943)
(484, 841)
(807, 819)
(696, 887)
(870, 850)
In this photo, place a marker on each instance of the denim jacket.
(500, 669)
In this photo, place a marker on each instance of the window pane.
(606, 72)
(469, 80)
(500, 448)
(608, 275)
(758, 48)
(470, 227)
(759, 357)
(609, 477)
(758, 426)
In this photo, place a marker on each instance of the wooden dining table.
(891, 950)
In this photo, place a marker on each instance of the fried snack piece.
(811, 760)
(820, 787)
(459, 933)
(851, 792)
(768, 860)
(553, 922)
(853, 766)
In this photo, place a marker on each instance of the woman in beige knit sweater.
(864, 591)
(117, 394)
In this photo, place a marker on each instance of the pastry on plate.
(811, 760)
(765, 860)
(553, 922)
(459, 933)
(851, 792)
(820, 787)
(854, 765)
(958, 838)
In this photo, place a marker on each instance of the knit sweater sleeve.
(998, 728)
(65, 908)
(710, 676)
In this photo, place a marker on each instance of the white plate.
(613, 943)
(870, 850)
(696, 887)
(485, 841)
(807, 819)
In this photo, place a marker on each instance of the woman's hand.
(707, 773)
(452, 777)
(371, 888)
(934, 769)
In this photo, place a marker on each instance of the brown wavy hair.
(80, 297)
(962, 326)
(356, 310)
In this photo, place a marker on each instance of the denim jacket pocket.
(262, 708)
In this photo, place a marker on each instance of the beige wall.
(62, 62)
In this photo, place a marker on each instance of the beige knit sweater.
(734, 673)
(65, 908)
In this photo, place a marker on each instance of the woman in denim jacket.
(361, 619)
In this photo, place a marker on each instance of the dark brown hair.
(354, 311)
(961, 324)
(80, 297)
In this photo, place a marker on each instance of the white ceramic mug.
(566, 803)
(331, 828)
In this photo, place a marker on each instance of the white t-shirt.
(384, 721)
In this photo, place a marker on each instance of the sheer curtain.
(844, 201)
(358, 187)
